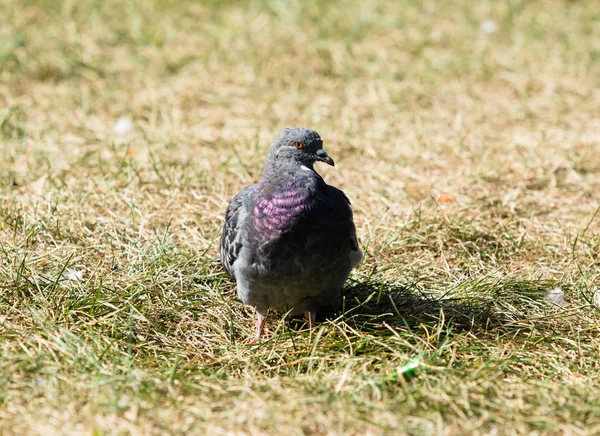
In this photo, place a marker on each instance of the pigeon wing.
(231, 239)
(345, 224)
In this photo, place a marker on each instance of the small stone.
(106, 155)
(556, 296)
(489, 26)
(123, 126)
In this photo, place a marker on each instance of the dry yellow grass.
(471, 159)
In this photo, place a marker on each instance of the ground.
(466, 135)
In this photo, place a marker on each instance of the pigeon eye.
(298, 145)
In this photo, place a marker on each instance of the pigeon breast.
(283, 211)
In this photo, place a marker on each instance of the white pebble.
(106, 155)
(489, 26)
(123, 126)
(556, 296)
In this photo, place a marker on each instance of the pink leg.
(260, 329)
(260, 325)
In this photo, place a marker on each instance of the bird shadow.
(371, 306)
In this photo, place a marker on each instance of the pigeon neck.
(275, 170)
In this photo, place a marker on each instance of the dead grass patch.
(470, 159)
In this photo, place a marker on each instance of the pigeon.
(289, 241)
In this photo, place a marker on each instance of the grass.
(470, 159)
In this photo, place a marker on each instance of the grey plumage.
(289, 241)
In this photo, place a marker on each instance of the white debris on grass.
(556, 297)
(123, 126)
(596, 298)
(106, 155)
(73, 275)
(489, 26)
(38, 381)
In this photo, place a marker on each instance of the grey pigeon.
(289, 241)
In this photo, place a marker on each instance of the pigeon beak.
(323, 157)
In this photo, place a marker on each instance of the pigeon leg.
(261, 332)
(311, 317)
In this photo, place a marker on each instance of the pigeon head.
(297, 146)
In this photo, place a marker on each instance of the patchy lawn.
(466, 134)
